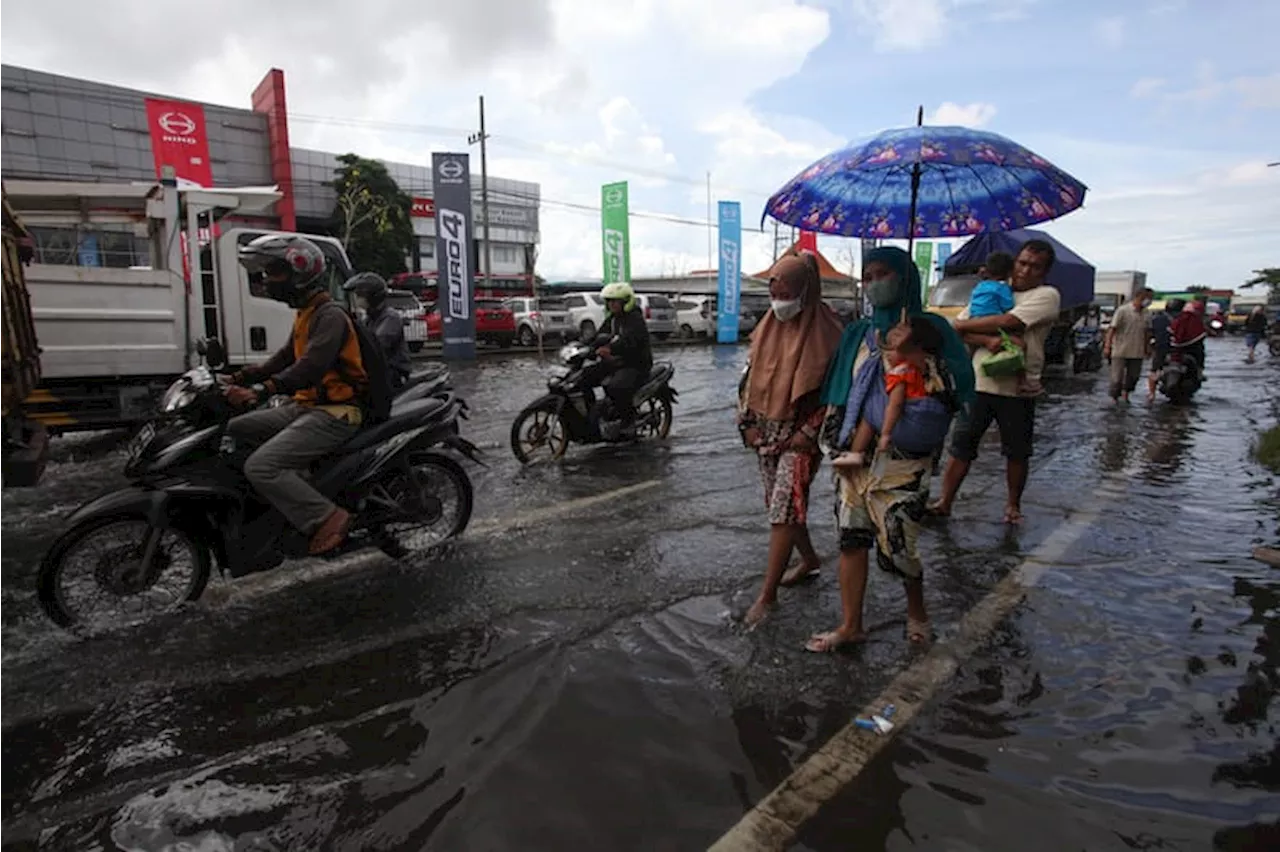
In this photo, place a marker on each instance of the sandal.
(918, 632)
(833, 640)
(798, 573)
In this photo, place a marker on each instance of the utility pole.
(482, 138)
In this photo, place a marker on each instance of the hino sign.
(453, 230)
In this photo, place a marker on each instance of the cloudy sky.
(1168, 110)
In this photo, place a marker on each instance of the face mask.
(785, 309)
(883, 292)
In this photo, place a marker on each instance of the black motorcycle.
(1087, 350)
(1181, 377)
(147, 547)
(572, 412)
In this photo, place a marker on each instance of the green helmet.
(620, 290)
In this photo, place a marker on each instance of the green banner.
(924, 262)
(615, 234)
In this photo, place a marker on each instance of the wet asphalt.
(569, 675)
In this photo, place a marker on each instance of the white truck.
(117, 315)
(1113, 289)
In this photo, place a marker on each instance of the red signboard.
(179, 139)
(423, 208)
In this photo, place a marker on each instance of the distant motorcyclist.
(386, 325)
(320, 365)
(623, 343)
(1160, 342)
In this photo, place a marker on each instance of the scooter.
(1087, 346)
(571, 413)
(188, 503)
(1181, 377)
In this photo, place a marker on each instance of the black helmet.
(370, 286)
(1175, 306)
(296, 258)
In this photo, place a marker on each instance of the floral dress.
(787, 474)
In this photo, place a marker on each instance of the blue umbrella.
(952, 181)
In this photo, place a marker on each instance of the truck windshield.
(953, 292)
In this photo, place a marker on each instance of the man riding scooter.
(386, 325)
(321, 367)
(623, 344)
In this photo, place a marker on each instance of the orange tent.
(825, 269)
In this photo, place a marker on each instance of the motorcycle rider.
(320, 366)
(623, 343)
(384, 324)
(1187, 333)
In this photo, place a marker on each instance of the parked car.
(659, 314)
(414, 314)
(696, 316)
(846, 309)
(495, 323)
(586, 313)
(546, 317)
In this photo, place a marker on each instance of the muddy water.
(576, 681)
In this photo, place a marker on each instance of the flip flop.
(830, 642)
(807, 577)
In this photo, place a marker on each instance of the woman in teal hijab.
(881, 505)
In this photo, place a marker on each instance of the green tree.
(1270, 277)
(371, 216)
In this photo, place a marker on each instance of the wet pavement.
(567, 674)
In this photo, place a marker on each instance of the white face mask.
(785, 309)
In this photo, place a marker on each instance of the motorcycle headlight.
(179, 395)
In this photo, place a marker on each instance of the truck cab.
(126, 278)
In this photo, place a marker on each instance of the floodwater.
(568, 674)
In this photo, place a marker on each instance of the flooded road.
(568, 674)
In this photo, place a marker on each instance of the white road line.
(773, 823)
(285, 576)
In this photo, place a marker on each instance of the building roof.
(825, 270)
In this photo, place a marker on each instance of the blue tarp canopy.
(1071, 274)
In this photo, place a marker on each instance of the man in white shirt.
(1005, 399)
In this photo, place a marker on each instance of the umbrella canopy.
(956, 180)
(1070, 273)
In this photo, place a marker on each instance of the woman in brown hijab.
(779, 413)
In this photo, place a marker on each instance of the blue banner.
(451, 186)
(730, 273)
(944, 252)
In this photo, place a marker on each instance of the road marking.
(773, 823)
(283, 577)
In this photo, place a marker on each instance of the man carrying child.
(1009, 398)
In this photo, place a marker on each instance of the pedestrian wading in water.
(780, 413)
(881, 504)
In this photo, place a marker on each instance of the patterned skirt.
(787, 477)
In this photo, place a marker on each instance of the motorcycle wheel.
(434, 499)
(539, 432)
(117, 573)
(656, 416)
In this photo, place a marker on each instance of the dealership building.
(62, 128)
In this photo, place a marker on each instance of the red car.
(494, 323)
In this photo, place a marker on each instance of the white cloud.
(903, 24)
(1258, 92)
(1110, 32)
(1146, 87)
(964, 115)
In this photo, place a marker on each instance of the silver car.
(414, 316)
(659, 314)
(548, 317)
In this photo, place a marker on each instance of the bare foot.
(799, 573)
(938, 509)
(1012, 515)
(834, 640)
(759, 612)
(849, 461)
(918, 631)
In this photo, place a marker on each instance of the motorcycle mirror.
(214, 355)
